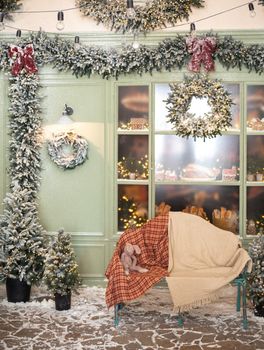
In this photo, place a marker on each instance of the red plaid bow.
(22, 58)
(201, 50)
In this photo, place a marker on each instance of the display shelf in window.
(217, 204)
(255, 210)
(161, 94)
(185, 160)
(132, 206)
(255, 108)
(133, 108)
(133, 157)
(255, 158)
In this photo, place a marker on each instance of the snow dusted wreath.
(154, 14)
(209, 124)
(58, 149)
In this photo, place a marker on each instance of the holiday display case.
(254, 210)
(132, 155)
(210, 177)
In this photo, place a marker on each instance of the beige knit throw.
(202, 260)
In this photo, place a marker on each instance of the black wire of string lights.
(60, 18)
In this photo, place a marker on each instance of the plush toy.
(129, 260)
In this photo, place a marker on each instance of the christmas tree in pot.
(256, 278)
(61, 270)
(22, 243)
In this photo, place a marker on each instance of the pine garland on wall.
(21, 233)
(169, 54)
(155, 14)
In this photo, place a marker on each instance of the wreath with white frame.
(209, 124)
(67, 149)
(154, 14)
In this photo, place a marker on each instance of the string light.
(260, 2)
(2, 25)
(135, 44)
(18, 33)
(251, 9)
(192, 28)
(131, 13)
(77, 42)
(60, 23)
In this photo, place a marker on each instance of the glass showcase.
(219, 179)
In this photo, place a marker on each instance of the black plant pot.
(17, 291)
(63, 302)
(259, 310)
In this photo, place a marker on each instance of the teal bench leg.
(244, 301)
(238, 301)
(180, 320)
(117, 307)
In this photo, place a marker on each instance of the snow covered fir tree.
(22, 240)
(256, 278)
(61, 270)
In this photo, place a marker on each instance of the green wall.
(82, 201)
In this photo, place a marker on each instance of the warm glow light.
(199, 107)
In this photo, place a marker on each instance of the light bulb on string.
(251, 9)
(192, 28)
(131, 13)
(2, 25)
(135, 43)
(60, 23)
(18, 34)
(77, 42)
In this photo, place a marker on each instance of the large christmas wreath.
(207, 125)
(155, 14)
(68, 150)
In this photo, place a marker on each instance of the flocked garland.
(57, 149)
(21, 232)
(209, 124)
(169, 54)
(155, 14)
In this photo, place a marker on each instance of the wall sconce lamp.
(65, 117)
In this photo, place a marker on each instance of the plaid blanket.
(152, 238)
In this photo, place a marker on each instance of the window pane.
(234, 90)
(161, 94)
(218, 204)
(133, 107)
(132, 206)
(186, 159)
(133, 156)
(255, 157)
(255, 107)
(255, 210)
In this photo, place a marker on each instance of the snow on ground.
(146, 323)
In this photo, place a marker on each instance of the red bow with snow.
(202, 50)
(22, 58)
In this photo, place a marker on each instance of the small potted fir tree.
(61, 270)
(256, 278)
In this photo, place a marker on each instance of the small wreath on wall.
(210, 123)
(155, 14)
(67, 149)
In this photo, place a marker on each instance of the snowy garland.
(209, 124)
(155, 14)
(58, 149)
(22, 236)
(169, 54)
